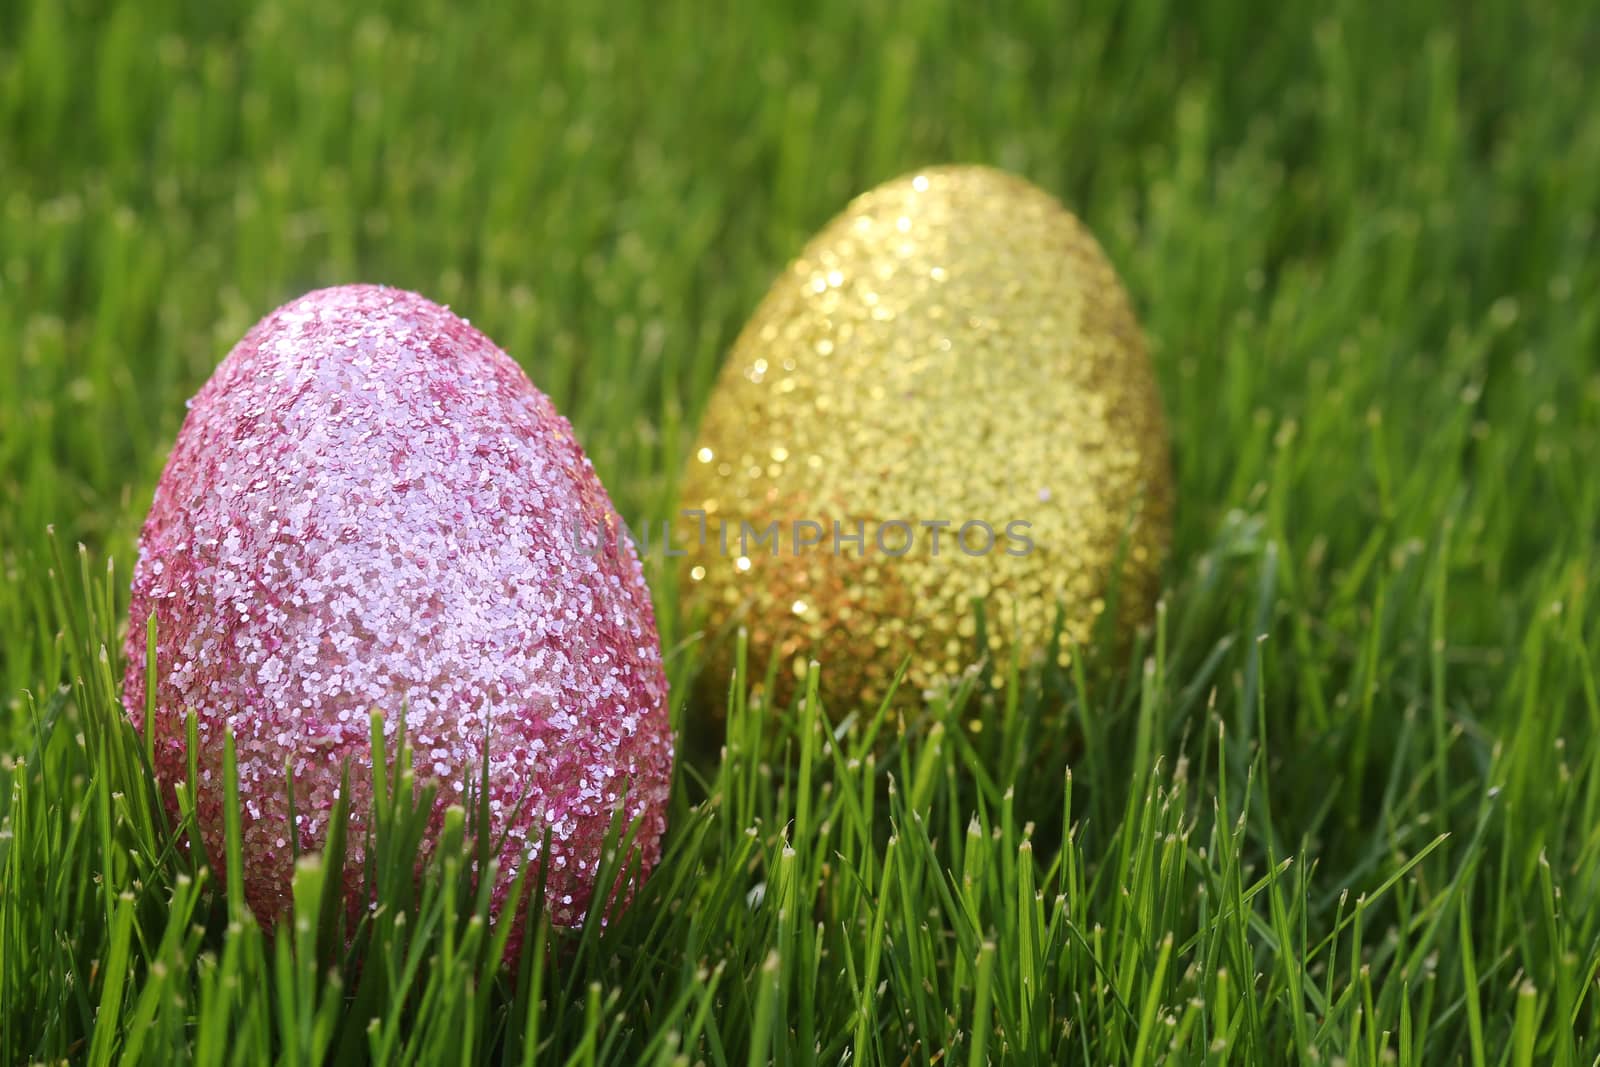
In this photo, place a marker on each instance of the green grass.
(1341, 804)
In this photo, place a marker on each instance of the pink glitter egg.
(370, 507)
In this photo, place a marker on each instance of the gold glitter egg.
(945, 399)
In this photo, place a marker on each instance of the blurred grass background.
(1361, 239)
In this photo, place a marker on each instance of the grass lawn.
(1340, 804)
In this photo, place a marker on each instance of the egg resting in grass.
(370, 507)
(949, 389)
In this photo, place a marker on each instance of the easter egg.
(944, 401)
(370, 507)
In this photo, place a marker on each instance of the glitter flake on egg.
(950, 385)
(371, 508)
